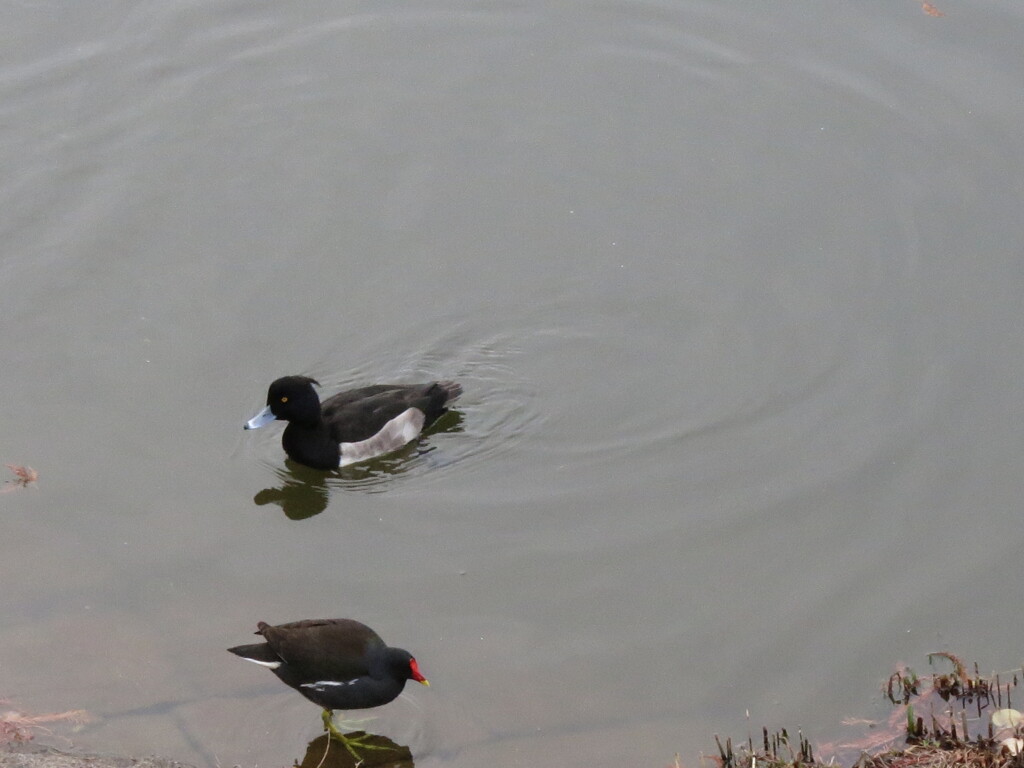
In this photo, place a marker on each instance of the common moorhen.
(335, 663)
(354, 425)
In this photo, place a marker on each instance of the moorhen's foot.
(351, 741)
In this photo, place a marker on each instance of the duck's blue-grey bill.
(261, 419)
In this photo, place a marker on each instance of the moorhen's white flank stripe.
(321, 684)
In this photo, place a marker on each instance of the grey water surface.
(734, 291)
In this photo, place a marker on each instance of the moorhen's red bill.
(335, 663)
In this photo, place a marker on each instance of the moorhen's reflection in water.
(303, 492)
(373, 750)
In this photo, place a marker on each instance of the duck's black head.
(292, 398)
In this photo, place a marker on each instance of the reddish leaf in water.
(23, 476)
(931, 10)
(18, 726)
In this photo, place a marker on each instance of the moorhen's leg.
(349, 742)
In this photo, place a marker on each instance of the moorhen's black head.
(401, 665)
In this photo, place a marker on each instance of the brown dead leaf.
(959, 668)
(17, 726)
(23, 477)
(931, 10)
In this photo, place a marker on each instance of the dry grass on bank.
(943, 720)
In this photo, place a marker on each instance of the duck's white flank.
(392, 436)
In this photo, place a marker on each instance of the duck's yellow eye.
(284, 399)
